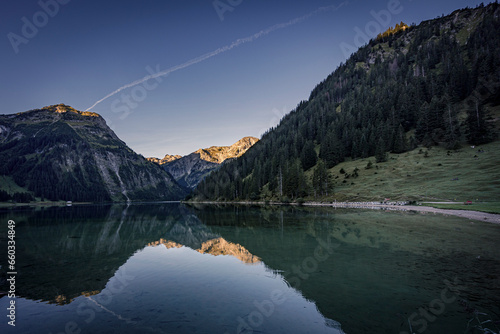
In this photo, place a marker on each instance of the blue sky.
(76, 52)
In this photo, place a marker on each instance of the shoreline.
(40, 204)
(469, 214)
(464, 213)
(61, 203)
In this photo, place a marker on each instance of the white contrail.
(236, 43)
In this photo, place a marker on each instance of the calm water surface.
(169, 268)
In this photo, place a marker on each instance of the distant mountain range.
(59, 153)
(189, 170)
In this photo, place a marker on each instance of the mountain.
(59, 153)
(215, 247)
(166, 159)
(418, 87)
(218, 154)
(189, 170)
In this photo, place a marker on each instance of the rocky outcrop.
(166, 159)
(218, 154)
(189, 170)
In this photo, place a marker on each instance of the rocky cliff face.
(219, 154)
(189, 170)
(166, 159)
(59, 153)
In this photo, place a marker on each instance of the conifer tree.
(322, 183)
(452, 136)
(380, 153)
(308, 157)
(478, 129)
(400, 144)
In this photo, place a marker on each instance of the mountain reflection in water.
(146, 268)
(216, 247)
(168, 268)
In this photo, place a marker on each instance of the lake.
(172, 268)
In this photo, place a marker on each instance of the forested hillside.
(432, 84)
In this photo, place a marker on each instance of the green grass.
(489, 207)
(7, 184)
(360, 65)
(457, 177)
(464, 34)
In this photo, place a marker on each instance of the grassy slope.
(7, 184)
(411, 176)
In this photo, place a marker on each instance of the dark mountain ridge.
(59, 153)
(432, 84)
